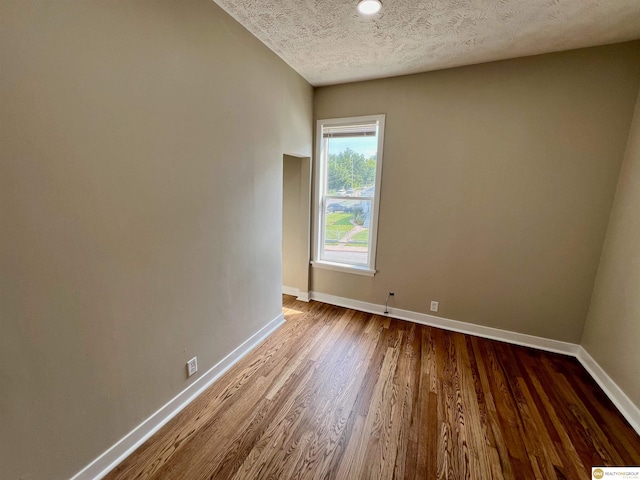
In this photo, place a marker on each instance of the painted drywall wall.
(497, 184)
(141, 156)
(612, 329)
(296, 180)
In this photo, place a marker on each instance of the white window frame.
(319, 186)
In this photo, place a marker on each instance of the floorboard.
(341, 394)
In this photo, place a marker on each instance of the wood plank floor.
(340, 394)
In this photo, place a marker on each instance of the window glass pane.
(351, 165)
(346, 230)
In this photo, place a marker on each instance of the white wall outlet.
(192, 366)
(434, 306)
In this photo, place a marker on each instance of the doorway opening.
(296, 225)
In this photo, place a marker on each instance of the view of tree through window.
(349, 170)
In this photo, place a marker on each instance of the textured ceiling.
(327, 42)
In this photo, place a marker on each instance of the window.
(349, 153)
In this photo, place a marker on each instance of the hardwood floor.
(340, 394)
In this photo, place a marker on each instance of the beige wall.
(296, 206)
(141, 152)
(497, 184)
(613, 325)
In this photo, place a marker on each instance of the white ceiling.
(327, 42)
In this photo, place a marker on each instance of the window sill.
(344, 268)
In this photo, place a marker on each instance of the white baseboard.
(302, 296)
(523, 339)
(627, 408)
(290, 291)
(630, 411)
(125, 446)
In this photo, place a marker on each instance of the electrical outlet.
(434, 306)
(192, 366)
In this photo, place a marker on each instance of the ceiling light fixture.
(369, 7)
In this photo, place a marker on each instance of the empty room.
(319, 239)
